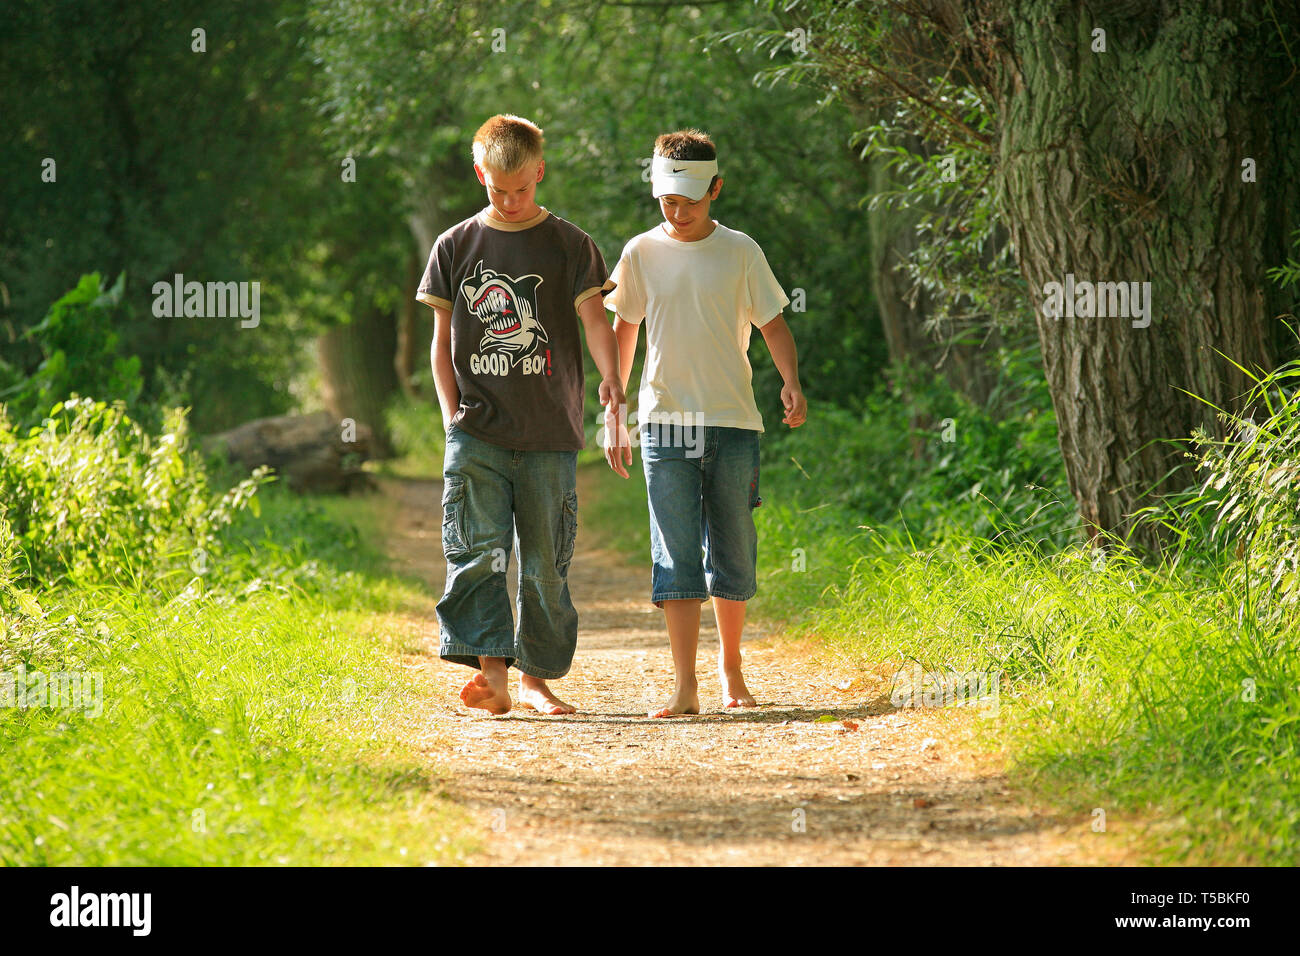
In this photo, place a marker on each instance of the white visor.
(682, 177)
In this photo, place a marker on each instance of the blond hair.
(507, 143)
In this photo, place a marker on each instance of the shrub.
(89, 496)
(75, 348)
(1252, 490)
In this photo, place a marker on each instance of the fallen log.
(312, 453)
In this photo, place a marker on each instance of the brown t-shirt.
(513, 290)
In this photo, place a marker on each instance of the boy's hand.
(618, 444)
(796, 406)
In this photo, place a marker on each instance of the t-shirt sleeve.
(435, 285)
(628, 299)
(764, 296)
(591, 274)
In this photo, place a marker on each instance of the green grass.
(1126, 688)
(240, 726)
(618, 513)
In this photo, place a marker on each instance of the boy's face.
(512, 195)
(688, 219)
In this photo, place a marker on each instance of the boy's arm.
(784, 355)
(604, 352)
(444, 375)
(625, 333)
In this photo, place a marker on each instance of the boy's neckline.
(485, 216)
(692, 243)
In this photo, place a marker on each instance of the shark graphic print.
(509, 295)
(513, 338)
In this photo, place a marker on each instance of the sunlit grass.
(239, 727)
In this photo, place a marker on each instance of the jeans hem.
(541, 673)
(734, 597)
(467, 655)
(658, 599)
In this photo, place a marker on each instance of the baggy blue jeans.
(495, 498)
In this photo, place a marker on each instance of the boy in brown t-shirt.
(507, 287)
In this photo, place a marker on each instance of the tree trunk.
(1126, 166)
(357, 374)
(413, 331)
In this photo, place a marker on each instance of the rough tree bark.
(1126, 166)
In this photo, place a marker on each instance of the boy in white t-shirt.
(699, 286)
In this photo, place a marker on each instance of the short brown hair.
(506, 143)
(687, 144)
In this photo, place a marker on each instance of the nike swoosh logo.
(676, 170)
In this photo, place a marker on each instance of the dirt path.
(765, 786)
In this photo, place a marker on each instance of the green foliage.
(89, 496)
(925, 459)
(415, 426)
(1249, 499)
(245, 722)
(78, 349)
(928, 135)
(150, 185)
(961, 259)
(1287, 274)
(234, 705)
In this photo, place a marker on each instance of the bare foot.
(734, 691)
(681, 703)
(488, 689)
(534, 693)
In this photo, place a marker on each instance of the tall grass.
(248, 699)
(1133, 689)
(233, 732)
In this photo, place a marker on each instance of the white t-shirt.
(698, 300)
